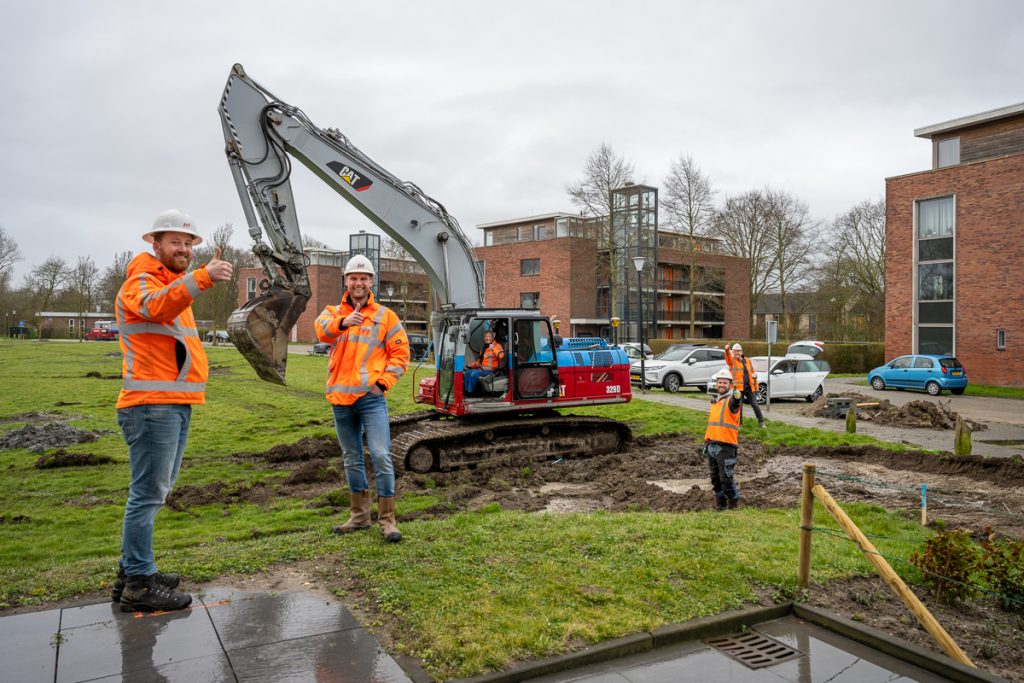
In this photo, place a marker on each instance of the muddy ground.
(666, 474)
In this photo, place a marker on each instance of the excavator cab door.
(535, 366)
(446, 364)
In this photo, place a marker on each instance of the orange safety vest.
(723, 424)
(491, 360)
(737, 365)
(377, 351)
(164, 361)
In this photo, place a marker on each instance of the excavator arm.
(262, 134)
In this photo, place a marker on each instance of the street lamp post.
(391, 292)
(615, 330)
(638, 262)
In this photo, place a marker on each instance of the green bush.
(948, 561)
(1003, 562)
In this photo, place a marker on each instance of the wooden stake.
(895, 582)
(924, 504)
(803, 566)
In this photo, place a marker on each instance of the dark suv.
(418, 345)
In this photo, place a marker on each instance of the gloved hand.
(704, 449)
(737, 394)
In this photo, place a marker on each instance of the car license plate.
(636, 377)
(956, 373)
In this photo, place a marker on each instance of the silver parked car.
(679, 366)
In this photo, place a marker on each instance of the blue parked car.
(921, 371)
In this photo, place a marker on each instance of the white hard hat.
(722, 374)
(737, 347)
(173, 220)
(359, 264)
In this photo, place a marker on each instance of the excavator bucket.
(260, 330)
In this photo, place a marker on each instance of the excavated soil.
(38, 437)
(61, 458)
(667, 474)
(915, 414)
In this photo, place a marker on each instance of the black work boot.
(166, 580)
(146, 594)
(720, 503)
(734, 503)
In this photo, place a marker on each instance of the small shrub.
(948, 561)
(1003, 562)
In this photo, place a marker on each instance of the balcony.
(703, 316)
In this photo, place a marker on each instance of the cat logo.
(350, 175)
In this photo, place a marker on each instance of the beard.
(172, 261)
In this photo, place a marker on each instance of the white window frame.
(1000, 339)
(915, 341)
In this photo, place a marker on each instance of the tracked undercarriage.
(432, 444)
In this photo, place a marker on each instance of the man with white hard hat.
(744, 377)
(721, 441)
(369, 353)
(164, 374)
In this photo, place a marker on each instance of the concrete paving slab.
(212, 669)
(133, 644)
(244, 619)
(351, 655)
(28, 651)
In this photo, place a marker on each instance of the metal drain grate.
(754, 649)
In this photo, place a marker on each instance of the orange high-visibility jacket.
(491, 360)
(164, 361)
(723, 423)
(737, 365)
(376, 352)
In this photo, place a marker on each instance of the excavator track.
(448, 444)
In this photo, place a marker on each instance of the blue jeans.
(368, 414)
(156, 436)
(472, 376)
(721, 467)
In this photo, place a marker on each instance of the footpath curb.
(696, 629)
(896, 647)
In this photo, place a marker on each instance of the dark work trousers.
(721, 466)
(749, 397)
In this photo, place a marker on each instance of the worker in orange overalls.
(721, 440)
(165, 372)
(369, 353)
(744, 377)
(487, 364)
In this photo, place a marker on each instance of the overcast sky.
(491, 108)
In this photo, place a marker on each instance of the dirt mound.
(38, 438)
(915, 414)
(186, 496)
(61, 458)
(313, 471)
(308, 448)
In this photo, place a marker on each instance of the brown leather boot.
(386, 517)
(358, 515)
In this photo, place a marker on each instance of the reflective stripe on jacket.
(737, 365)
(723, 423)
(377, 351)
(164, 361)
(491, 360)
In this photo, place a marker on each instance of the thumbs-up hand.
(220, 271)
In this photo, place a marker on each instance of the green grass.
(466, 593)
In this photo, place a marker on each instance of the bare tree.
(218, 303)
(790, 228)
(113, 277)
(310, 242)
(45, 281)
(604, 172)
(743, 228)
(687, 200)
(82, 285)
(860, 240)
(9, 252)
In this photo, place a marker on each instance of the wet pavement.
(807, 653)
(227, 635)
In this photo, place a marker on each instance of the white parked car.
(679, 366)
(794, 376)
(807, 347)
(632, 350)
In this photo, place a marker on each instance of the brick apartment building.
(954, 248)
(551, 262)
(400, 285)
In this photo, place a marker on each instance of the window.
(923, 363)
(71, 323)
(935, 285)
(529, 300)
(540, 232)
(250, 289)
(904, 362)
(1001, 340)
(947, 152)
(529, 266)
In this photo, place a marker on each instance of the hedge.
(845, 358)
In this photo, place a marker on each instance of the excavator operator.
(487, 364)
